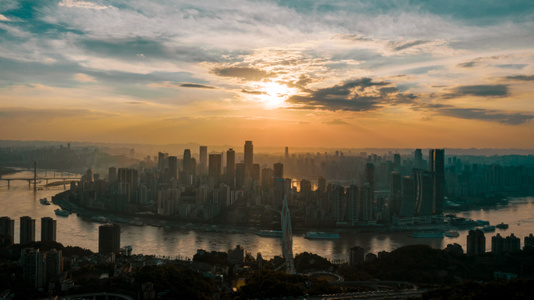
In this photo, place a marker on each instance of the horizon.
(342, 74)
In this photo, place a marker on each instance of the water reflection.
(20, 201)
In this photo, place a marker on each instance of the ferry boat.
(427, 234)
(502, 226)
(44, 201)
(488, 228)
(269, 233)
(99, 219)
(452, 233)
(62, 213)
(321, 235)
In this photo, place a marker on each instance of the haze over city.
(402, 74)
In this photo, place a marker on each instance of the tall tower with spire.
(287, 238)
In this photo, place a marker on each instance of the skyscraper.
(27, 230)
(287, 238)
(249, 158)
(215, 166)
(7, 227)
(424, 192)
(203, 160)
(287, 153)
(437, 167)
(418, 159)
(173, 167)
(109, 239)
(278, 171)
(32, 261)
(395, 193)
(353, 199)
(230, 163)
(48, 229)
(476, 242)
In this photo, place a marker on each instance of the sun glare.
(274, 94)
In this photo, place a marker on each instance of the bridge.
(38, 179)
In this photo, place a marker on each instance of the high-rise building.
(27, 230)
(230, 163)
(267, 179)
(53, 265)
(48, 229)
(497, 244)
(437, 167)
(173, 167)
(278, 171)
(366, 202)
(357, 255)
(338, 203)
(418, 159)
(112, 174)
(32, 261)
(407, 206)
(109, 239)
(203, 160)
(249, 158)
(423, 192)
(529, 241)
(7, 227)
(287, 153)
(395, 193)
(186, 162)
(512, 243)
(396, 162)
(215, 168)
(287, 238)
(476, 242)
(353, 199)
(370, 178)
(161, 162)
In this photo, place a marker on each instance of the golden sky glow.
(280, 73)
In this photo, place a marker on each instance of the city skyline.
(406, 74)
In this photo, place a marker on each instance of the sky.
(344, 73)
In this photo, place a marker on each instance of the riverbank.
(7, 171)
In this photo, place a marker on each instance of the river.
(18, 201)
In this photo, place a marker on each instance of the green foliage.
(307, 261)
(212, 258)
(174, 282)
(269, 284)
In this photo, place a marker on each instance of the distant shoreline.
(7, 171)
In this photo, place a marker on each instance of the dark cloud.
(485, 115)
(197, 86)
(468, 64)
(512, 66)
(402, 46)
(351, 95)
(253, 92)
(521, 77)
(495, 90)
(243, 73)
(301, 83)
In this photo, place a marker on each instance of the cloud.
(197, 86)
(484, 115)
(243, 73)
(253, 92)
(352, 95)
(26, 113)
(496, 90)
(81, 4)
(4, 18)
(512, 66)
(168, 84)
(401, 46)
(84, 78)
(336, 122)
(521, 77)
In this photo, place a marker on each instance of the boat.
(321, 235)
(99, 219)
(488, 228)
(62, 213)
(427, 234)
(44, 201)
(452, 233)
(502, 226)
(136, 223)
(269, 233)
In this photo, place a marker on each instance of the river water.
(19, 200)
